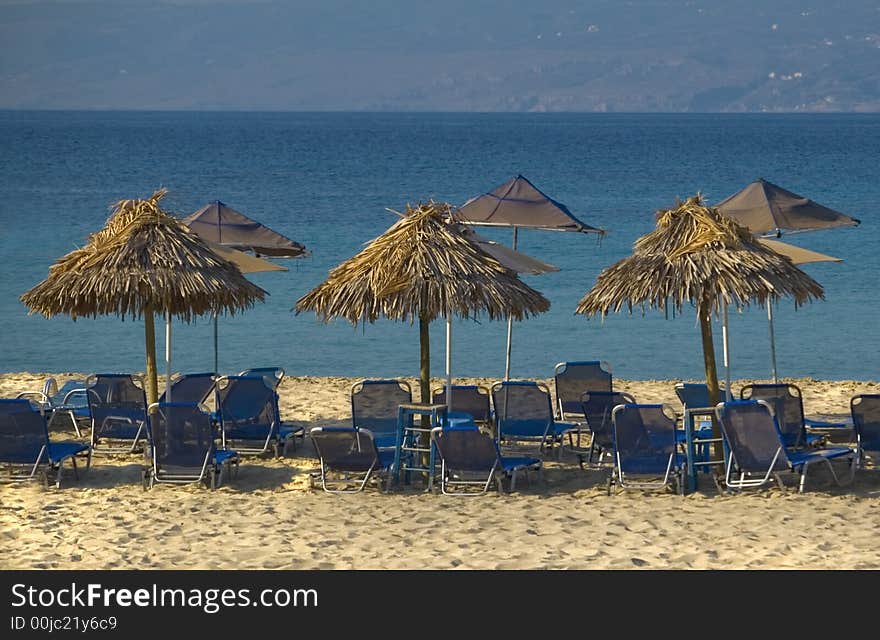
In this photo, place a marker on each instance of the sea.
(330, 180)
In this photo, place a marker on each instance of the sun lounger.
(25, 448)
(349, 458)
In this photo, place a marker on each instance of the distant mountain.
(460, 55)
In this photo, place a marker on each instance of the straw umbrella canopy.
(144, 261)
(419, 269)
(697, 256)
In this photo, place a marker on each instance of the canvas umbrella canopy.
(697, 256)
(767, 209)
(144, 261)
(519, 204)
(422, 268)
(222, 224)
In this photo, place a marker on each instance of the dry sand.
(268, 518)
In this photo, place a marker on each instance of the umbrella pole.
(168, 356)
(509, 325)
(705, 311)
(150, 344)
(725, 342)
(216, 368)
(448, 365)
(772, 341)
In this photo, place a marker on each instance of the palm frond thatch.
(697, 255)
(143, 258)
(422, 267)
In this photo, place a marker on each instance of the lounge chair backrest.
(183, 434)
(345, 448)
(752, 435)
(190, 388)
(522, 408)
(597, 407)
(374, 405)
(788, 408)
(470, 399)
(23, 433)
(276, 374)
(244, 400)
(573, 379)
(694, 395)
(115, 395)
(644, 436)
(466, 448)
(865, 410)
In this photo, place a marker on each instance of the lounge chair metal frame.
(211, 470)
(96, 409)
(362, 439)
(796, 462)
(663, 420)
(477, 398)
(501, 466)
(51, 455)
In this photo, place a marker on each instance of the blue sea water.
(325, 179)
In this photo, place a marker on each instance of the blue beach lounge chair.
(183, 449)
(118, 410)
(572, 379)
(190, 388)
(865, 411)
(788, 408)
(524, 411)
(349, 458)
(374, 405)
(467, 399)
(645, 451)
(247, 408)
(470, 457)
(70, 400)
(25, 447)
(597, 407)
(757, 453)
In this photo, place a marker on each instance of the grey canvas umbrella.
(767, 209)
(219, 223)
(519, 204)
(222, 224)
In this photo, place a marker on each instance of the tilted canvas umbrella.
(144, 261)
(219, 223)
(698, 256)
(519, 204)
(421, 268)
(767, 209)
(222, 224)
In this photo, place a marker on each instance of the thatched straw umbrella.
(698, 256)
(422, 268)
(144, 261)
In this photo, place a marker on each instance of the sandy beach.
(267, 517)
